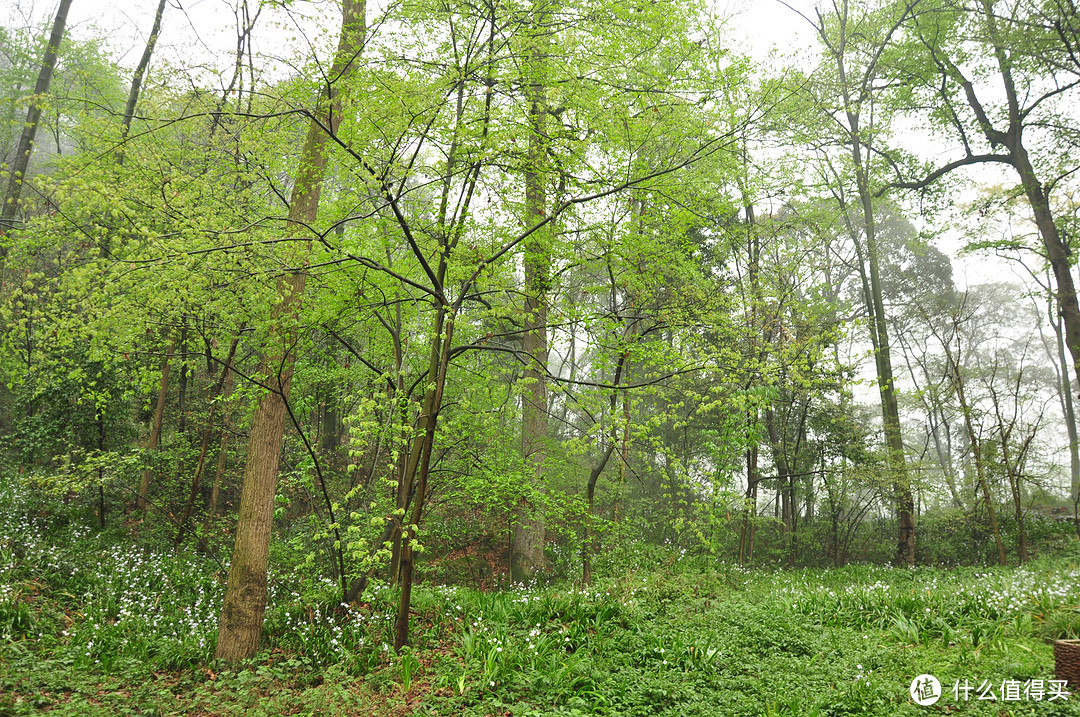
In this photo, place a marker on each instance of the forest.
(529, 357)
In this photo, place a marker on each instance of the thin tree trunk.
(245, 595)
(137, 78)
(1068, 408)
(418, 469)
(783, 507)
(976, 450)
(155, 429)
(746, 535)
(219, 475)
(419, 464)
(413, 483)
(181, 398)
(587, 546)
(753, 256)
(834, 509)
(21, 161)
(101, 469)
(215, 395)
(890, 410)
(1014, 461)
(624, 459)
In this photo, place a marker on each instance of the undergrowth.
(90, 625)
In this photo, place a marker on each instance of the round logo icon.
(925, 690)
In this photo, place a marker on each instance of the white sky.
(191, 27)
(765, 25)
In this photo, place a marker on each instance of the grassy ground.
(89, 628)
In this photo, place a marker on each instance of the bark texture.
(527, 549)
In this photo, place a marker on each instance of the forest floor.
(92, 627)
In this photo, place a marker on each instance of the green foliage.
(98, 620)
(700, 309)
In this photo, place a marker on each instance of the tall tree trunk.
(752, 538)
(746, 534)
(527, 554)
(419, 460)
(412, 488)
(624, 459)
(890, 411)
(1068, 408)
(181, 398)
(155, 428)
(137, 78)
(245, 595)
(33, 118)
(854, 95)
(783, 494)
(754, 323)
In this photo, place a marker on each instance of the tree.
(17, 172)
(858, 44)
(1018, 416)
(456, 260)
(527, 547)
(998, 78)
(140, 72)
(245, 595)
(917, 281)
(1017, 243)
(950, 338)
(155, 428)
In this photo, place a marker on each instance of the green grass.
(90, 627)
